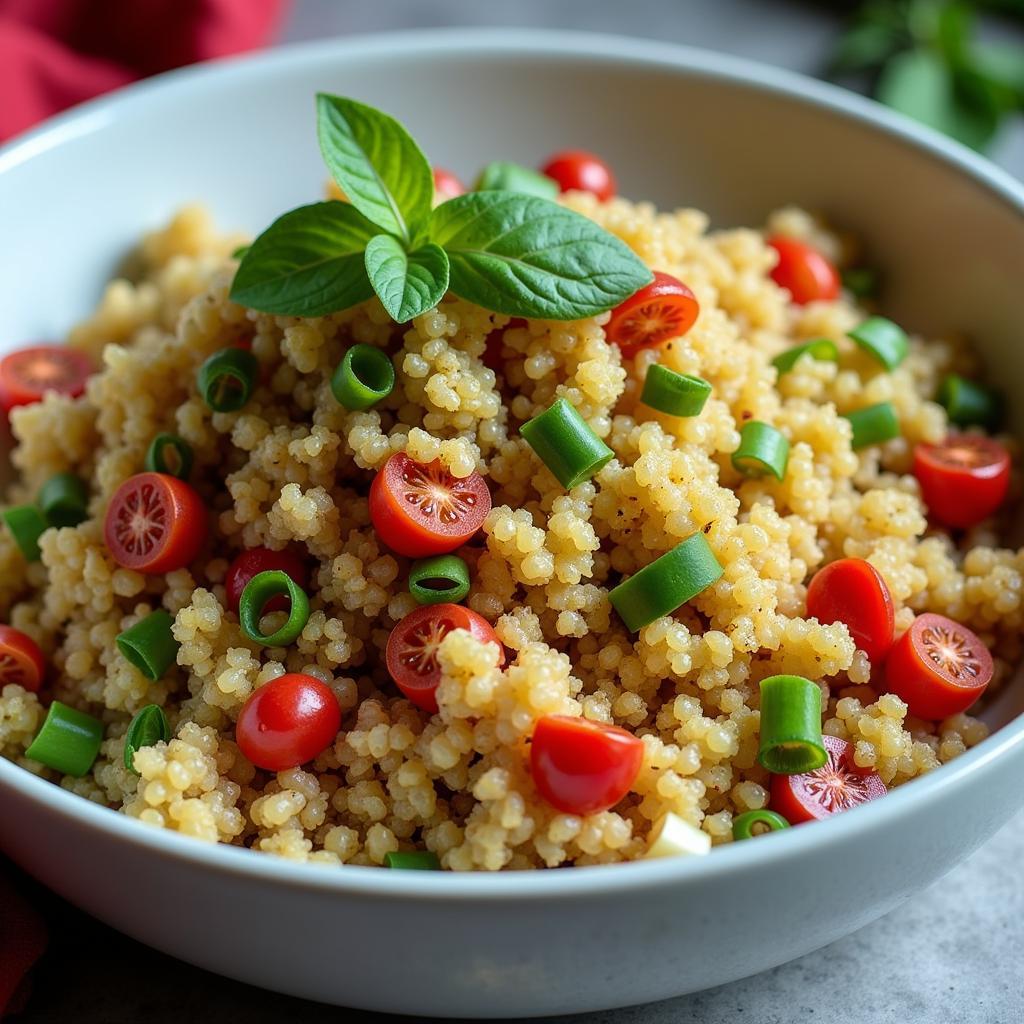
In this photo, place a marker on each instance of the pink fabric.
(53, 54)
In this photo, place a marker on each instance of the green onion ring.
(743, 824)
(150, 645)
(873, 425)
(667, 583)
(969, 404)
(443, 579)
(860, 282)
(226, 380)
(263, 587)
(68, 742)
(147, 728)
(564, 442)
(676, 394)
(27, 524)
(63, 500)
(364, 377)
(822, 349)
(791, 742)
(883, 339)
(417, 860)
(156, 460)
(763, 449)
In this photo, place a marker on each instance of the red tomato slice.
(938, 667)
(256, 560)
(155, 523)
(664, 309)
(25, 376)
(963, 480)
(420, 510)
(583, 767)
(446, 184)
(836, 786)
(576, 169)
(853, 592)
(411, 654)
(803, 271)
(21, 661)
(287, 722)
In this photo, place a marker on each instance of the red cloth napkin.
(55, 53)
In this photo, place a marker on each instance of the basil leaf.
(525, 256)
(307, 263)
(407, 283)
(240, 252)
(376, 162)
(1003, 65)
(514, 178)
(865, 46)
(149, 726)
(921, 84)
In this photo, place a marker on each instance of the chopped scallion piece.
(147, 728)
(63, 500)
(883, 339)
(763, 449)
(27, 524)
(226, 380)
(873, 425)
(677, 394)
(502, 174)
(565, 444)
(969, 404)
(860, 282)
(744, 825)
(180, 451)
(443, 579)
(150, 645)
(260, 590)
(674, 837)
(68, 742)
(822, 349)
(417, 860)
(791, 742)
(667, 583)
(363, 377)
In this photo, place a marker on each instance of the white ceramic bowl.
(680, 127)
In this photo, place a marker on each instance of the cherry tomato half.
(964, 479)
(664, 309)
(938, 667)
(420, 510)
(155, 523)
(21, 661)
(576, 169)
(803, 271)
(256, 560)
(287, 722)
(411, 654)
(583, 767)
(836, 786)
(25, 376)
(446, 184)
(853, 592)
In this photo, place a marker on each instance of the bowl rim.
(581, 882)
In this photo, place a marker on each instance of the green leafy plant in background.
(926, 60)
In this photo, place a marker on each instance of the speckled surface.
(951, 955)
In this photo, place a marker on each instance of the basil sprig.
(507, 251)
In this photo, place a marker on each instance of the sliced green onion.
(262, 588)
(26, 523)
(763, 449)
(418, 860)
(743, 825)
(667, 583)
(63, 500)
(969, 404)
(883, 339)
(147, 728)
(363, 377)
(150, 645)
(860, 282)
(822, 349)
(502, 174)
(677, 394)
(227, 378)
(443, 579)
(791, 741)
(565, 444)
(873, 425)
(68, 742)
(180, 464)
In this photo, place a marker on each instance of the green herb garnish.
(509, 252)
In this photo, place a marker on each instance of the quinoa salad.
(503, 527)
